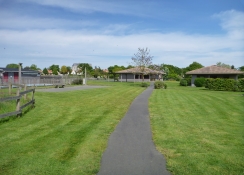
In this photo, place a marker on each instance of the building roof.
(17, 70)
(137, 70)
(214, 70)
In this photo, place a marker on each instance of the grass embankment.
(66, 133)
(199, 131)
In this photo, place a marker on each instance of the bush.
(160, 85)
(77, 81)
(220, 84)
(199, 82)
(183, 82)
(144, 84)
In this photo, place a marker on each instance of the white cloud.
(90, 6)
(232, 22)
(102, 48)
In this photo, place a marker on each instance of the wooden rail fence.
(19, 108)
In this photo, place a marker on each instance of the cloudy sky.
(108, 32)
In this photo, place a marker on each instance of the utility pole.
(20, 65)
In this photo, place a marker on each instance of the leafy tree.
(192, 66)
(54, 68)
(142, 59)
(241, 69)
(129, 67)
(223, 65)
(45, 72)
(113, 69)
(55, 71)
(88, 67)
(69, 69)
(172, 69)
(12, 65)
(97, 72)
(63, 70)
(34, 67)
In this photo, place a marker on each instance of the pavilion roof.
(214, 70)
(137, 70)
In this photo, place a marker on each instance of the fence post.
(33, 102)
(17, 102)
(25, 96)
(9, 88)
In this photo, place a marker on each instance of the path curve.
(131, 150)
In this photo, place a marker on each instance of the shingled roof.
(137, 70)
(214, 70)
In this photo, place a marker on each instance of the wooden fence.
(19, 108)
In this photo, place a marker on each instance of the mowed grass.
(199, 131)
(66, 133)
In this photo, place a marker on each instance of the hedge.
(221, 84)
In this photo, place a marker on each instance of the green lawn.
(199, 131)
(66, 133)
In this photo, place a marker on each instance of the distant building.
(75, 67)
(12, 74)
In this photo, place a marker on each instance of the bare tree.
(142, 59)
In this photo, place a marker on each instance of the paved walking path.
(131, 150)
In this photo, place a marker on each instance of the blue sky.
(108, 32)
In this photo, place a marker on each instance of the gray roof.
(214, 70)
(137, 70)
(17, 70)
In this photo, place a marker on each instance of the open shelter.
(214, 72)
(136, 74)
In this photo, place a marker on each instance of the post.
(17, 101)
(25, 88)
(20, 65)
(33, 102)
(9, 88)
(85, 77)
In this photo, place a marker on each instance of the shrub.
(199, 82)
(77, 81)
(165, 86)
(220, 84)
(183, 82)
(144, 84)
(160, 85)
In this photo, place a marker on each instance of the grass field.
(199, 131)
(66, 133)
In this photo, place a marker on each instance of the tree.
(192, 66)
(69, 69)
(63, 70)
(113, 69)
(223, 65)
(55, 71)
(34, 67)
(54, 68)
(45, 72)
(88, 67)
(142, 59)
(12, 65)
(241, 69)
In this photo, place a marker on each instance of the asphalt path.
(71, 88)
(131, 150)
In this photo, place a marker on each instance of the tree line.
(142, 59)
